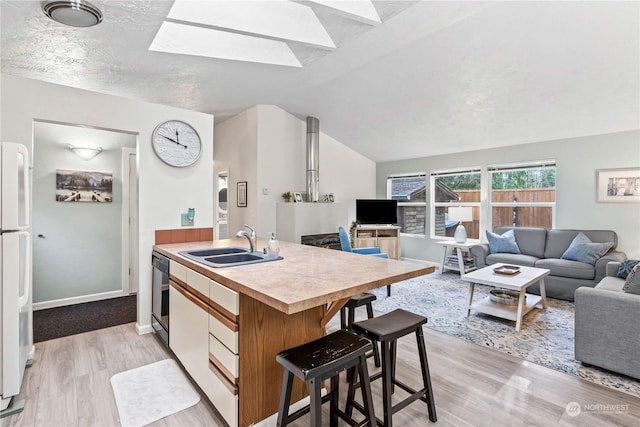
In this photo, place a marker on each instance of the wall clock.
(176, 143)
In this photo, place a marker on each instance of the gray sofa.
(543, 249)
(606, 325)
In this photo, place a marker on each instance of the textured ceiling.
(433, 78)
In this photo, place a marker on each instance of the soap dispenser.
(274, 246)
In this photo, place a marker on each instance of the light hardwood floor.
(68, 385)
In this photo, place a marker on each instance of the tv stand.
(386, 237)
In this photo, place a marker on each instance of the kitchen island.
(228, 324)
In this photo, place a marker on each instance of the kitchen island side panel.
(264, 332)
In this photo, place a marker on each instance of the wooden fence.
(522, 216)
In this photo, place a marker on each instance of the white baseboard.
(76, 300)
(143, 329)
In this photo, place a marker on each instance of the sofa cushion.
(567, 268)
(505, 243)
(611, 284)
(530, 240)
(626, 266)
(632, 283)
(584, 250)
(517, 259)
(558, 241)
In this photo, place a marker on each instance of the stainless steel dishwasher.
(160, 296)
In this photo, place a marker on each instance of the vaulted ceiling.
(430, 78)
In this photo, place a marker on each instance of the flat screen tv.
(376, 211)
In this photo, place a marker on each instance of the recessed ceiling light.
(75, 13)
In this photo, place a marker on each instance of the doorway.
(79, 247)
(222, 205)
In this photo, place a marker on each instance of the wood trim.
(203, 299)
(190, 296)
(215, 309)
(223, 311)
(178, 281)
(332, 310)
(224, 374)
(222, 318)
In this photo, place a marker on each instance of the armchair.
(346, 246)
(372, 250)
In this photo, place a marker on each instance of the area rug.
(58, 322)
(546, 336)
(151, 392)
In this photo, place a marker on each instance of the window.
(455, 189)
(411, 193)
(523, 195)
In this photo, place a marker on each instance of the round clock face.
(176, 143)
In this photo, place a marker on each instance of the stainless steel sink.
(215, 251)
(227, 257)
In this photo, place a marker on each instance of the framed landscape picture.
(618, 185)
(82, 186)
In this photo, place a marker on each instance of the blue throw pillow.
(505, 243)
(583, 250)
(626, 266)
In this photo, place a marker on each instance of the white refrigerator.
(16, 319)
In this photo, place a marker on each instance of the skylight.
(278, 19)
(262, 31)
(358, 8)
(191, 40)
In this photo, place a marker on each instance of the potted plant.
(287, 196)
(352, 230)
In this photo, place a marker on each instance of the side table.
(457, 249)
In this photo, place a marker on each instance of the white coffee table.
(518, 282)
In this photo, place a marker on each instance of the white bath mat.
(151, 392)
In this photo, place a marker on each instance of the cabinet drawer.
(198, 282)
(225, 401)
(224, 356)
(225, 335)
(224, 297)
(178, 270)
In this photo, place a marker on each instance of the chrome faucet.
(251, 237)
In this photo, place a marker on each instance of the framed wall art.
(82, 186)
(618, 185)
(242, 194)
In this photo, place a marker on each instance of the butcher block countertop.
(307, 277)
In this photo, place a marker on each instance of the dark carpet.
(78, 318)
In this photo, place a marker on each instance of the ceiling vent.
(75, 13)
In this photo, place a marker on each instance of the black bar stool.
(317, 361)
(347, 317)
(387, 329)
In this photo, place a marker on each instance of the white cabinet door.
(189, 329)
(189, 334)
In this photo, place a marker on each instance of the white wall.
(577, 160)
(163, 192)
(279, 143)
(235, 152)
